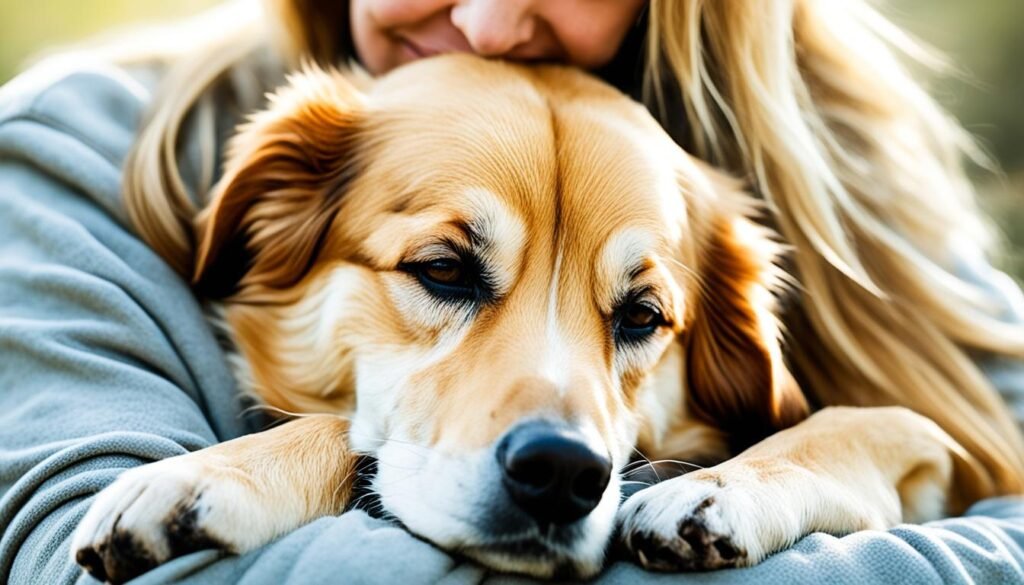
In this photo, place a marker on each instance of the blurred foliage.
(983, 39)
(30, 26)
(984, 42)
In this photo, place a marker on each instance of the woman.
(107, 361)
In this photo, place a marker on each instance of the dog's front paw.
(686, 524)
(154, 513)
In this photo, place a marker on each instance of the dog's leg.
(233, 496)
(841, 470)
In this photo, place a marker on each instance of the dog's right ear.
(286, 171)
(737, 379)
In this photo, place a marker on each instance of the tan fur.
(570, 203)
(572, 196)
(842, 470)
(236, 496)
(811, 99)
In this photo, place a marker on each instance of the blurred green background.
(983, 38)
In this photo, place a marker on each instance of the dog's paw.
(686, 524)
(156, 512)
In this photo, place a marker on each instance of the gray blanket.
(106, 362)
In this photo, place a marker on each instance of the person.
(108, 361)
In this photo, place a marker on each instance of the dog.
(504, 284)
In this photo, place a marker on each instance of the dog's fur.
(569, 201)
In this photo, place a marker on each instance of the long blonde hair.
(809, 100)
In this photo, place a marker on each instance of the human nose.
(494, 28)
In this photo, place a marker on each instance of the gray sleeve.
(1006, 374)
(106, 361)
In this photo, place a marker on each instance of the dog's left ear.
(287, 169)
(736, 377)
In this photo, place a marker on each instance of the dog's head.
(510, 278)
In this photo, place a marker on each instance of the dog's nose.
(551, 472)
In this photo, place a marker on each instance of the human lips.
(419, 51)
(412, 49)
(436, 44)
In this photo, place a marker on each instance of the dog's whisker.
(413, 470)
(286, 415)
(421, 453)
(632, 466)
(348, 481)
(386, 440)
(649, 464)
(698, 278)
(356, 503)
(677, 462)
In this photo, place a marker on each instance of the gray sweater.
(106, 362)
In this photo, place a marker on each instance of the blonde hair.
(807, 98)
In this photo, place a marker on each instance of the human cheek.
(593, 41)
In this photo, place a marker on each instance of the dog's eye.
(637, 320)
(447, 279)
(447, 272)
(638, 316)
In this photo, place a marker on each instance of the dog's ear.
(286, 171)
(736, 377)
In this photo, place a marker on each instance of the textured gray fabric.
(106, 363)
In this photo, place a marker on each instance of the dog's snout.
(551, 473)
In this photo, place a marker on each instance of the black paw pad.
(710, 550)
(726, 550)
(121, 558)
(693, 546)
(92, 562)
(654, 553)
(184, 534)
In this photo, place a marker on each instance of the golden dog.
(503, 283)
